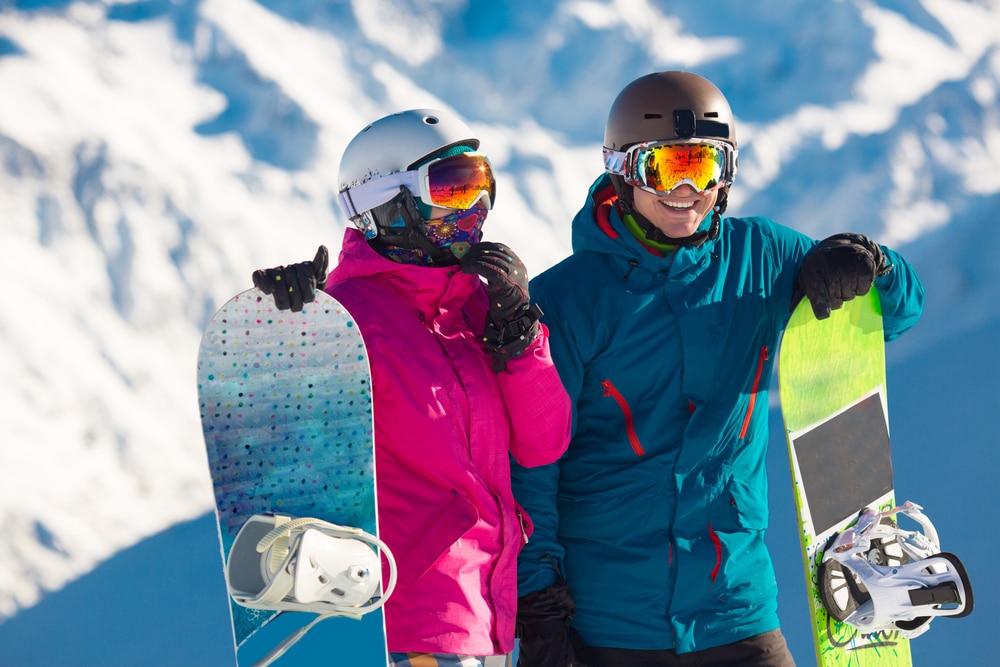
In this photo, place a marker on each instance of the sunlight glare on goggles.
(457, 182)
(660, 166)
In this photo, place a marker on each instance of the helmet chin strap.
(400, 224)
(626, 204)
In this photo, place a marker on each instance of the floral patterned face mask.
(458, 231)
(455, 232)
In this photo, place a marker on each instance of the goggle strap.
(614, 161)
(375, 192)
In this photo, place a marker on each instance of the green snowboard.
(833, 401)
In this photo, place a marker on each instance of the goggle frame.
(624, 163)
(355, 201)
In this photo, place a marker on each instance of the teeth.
(677, 204)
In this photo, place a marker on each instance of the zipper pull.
(524, 530)
(632, 263)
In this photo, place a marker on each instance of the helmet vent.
(711, 114)
(651, 116)
(431, 120)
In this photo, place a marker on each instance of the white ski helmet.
(390, 145)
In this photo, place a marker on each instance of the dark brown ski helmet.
(664, 106)
(669, 105)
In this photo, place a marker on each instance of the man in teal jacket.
(648, 544)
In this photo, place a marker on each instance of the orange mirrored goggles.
(661, 166)
(457, 182)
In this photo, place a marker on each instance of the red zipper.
(717, 543)
(633, 438)
(754, 390)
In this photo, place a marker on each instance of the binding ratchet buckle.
(879, 577)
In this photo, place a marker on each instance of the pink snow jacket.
(445, 426)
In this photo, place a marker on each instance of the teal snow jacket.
(656, 513)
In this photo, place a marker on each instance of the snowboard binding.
(284, 564)
(278, 563)
(877, 577)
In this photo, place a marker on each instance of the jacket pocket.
(740, 508)
(449, 521)
(633, 437)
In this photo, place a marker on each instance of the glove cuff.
(508, 339)
(518, 325)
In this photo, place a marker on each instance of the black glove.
(543, 627)
(294, 285)
(512, 322)
(837, 270)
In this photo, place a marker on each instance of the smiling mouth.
(679, 205)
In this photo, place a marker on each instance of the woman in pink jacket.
(461, 377)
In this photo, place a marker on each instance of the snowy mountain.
(154, 152)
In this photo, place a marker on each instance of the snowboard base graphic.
(833, 402)
(286, 413)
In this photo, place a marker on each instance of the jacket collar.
(434, 291)
(598, 227)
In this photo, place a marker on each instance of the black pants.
(764, 650)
